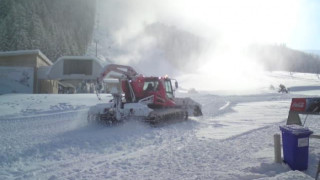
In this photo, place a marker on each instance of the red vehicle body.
(159, 87)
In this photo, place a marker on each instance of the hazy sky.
(239, 22)
(293, 22)
(306, 33)
(228, 25)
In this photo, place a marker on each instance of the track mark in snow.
(225, 106)
(43, 117)
(246, 117)
(91, 164)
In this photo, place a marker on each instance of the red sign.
(298, 104)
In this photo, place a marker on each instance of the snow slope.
(47, 137)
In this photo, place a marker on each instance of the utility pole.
(96, 41)
(97, 25)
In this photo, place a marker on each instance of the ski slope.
(46, 136)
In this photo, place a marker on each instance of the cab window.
(169, 90)
(150, 85)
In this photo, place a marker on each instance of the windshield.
(169, 90)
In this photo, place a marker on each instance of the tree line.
(282, 58)
(55, 27)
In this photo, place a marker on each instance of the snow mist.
(202, 43)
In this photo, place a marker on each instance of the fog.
(202, 43)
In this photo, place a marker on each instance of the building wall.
(48, 86)
(76, 68)
(15, 79)
(41, 62)
(18, 60)
(31, 60)
(27, 60)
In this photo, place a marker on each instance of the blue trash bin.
(295, 142)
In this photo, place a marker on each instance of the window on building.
(77, 67)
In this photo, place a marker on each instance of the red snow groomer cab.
(150, 98)
(159, 87)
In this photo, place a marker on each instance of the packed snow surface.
(47, 136)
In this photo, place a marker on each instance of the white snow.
(245, 117)
(46, 136)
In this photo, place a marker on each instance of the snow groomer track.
(43, 117)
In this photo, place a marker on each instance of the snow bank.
(22, 105)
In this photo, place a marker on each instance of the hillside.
(315, 52)
(283, 58)
(55, 27)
